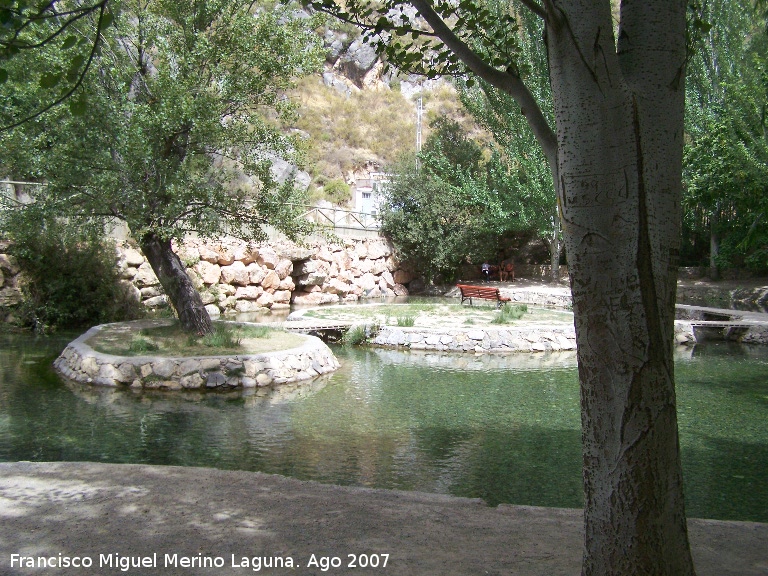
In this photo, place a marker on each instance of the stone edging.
(478, 340)
(492, 339)
(83, 364)
(541, 299)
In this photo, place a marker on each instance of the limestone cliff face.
(351, 64)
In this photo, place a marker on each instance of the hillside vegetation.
(368, 129)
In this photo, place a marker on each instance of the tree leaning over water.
(179, 130)
(615, 153)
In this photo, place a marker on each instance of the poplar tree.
(615, 152)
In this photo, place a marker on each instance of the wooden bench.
(485, 292)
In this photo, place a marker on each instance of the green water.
(505, 429)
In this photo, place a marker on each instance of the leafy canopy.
(726, 154)
(181, 125)
(72, 27)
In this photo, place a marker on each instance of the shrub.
(70, 275)
(355, 336)
(509, 313)
(338, 192)
(406, 321)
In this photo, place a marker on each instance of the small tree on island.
(174, 130)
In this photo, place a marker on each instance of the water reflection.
(502, 428)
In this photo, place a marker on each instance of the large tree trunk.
(619, 117)
(170, 271)
(616, 158)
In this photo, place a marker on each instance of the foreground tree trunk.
(616, 159)
(172, 275)
(619, 113)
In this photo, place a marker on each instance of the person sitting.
(507, 271)
(485, 269)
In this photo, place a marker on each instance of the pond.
(503, 428)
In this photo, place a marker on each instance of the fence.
(341, 219)
(14, 194)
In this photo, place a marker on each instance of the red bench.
(484, 292)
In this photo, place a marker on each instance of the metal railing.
(340, 218)
(14, 194)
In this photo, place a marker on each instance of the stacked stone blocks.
(81, 363)
(236, 277)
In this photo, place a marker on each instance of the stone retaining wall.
(541, 299)
(81, 363)
(495, 340)
(234, 277)
(478, 340)
(10, 294)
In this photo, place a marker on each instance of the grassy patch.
(439, 313)
(406, 321)
(170, 340)
(221, 337)
(385, 313)
(141, 345)
(509, 313)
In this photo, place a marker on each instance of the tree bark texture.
(554, 245)
(172, 275)
(619, 121)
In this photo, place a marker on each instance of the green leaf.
(69, 42)
(3, 75)
(107, 20)
(78, 107)
(49, 80)
(74, 67)
(6, 16)
(702, 25)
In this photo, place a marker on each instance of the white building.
(368, 192)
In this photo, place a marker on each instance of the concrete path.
(173, 519)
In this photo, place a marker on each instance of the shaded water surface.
(505, 429)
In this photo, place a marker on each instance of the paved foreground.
(171, 520)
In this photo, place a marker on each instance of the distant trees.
(454, 206)
(726, 155)
(181, 104)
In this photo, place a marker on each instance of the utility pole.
(419, 114)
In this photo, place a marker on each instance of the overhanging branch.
(504, 81)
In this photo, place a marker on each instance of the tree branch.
(71, 91)
(504, 81)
